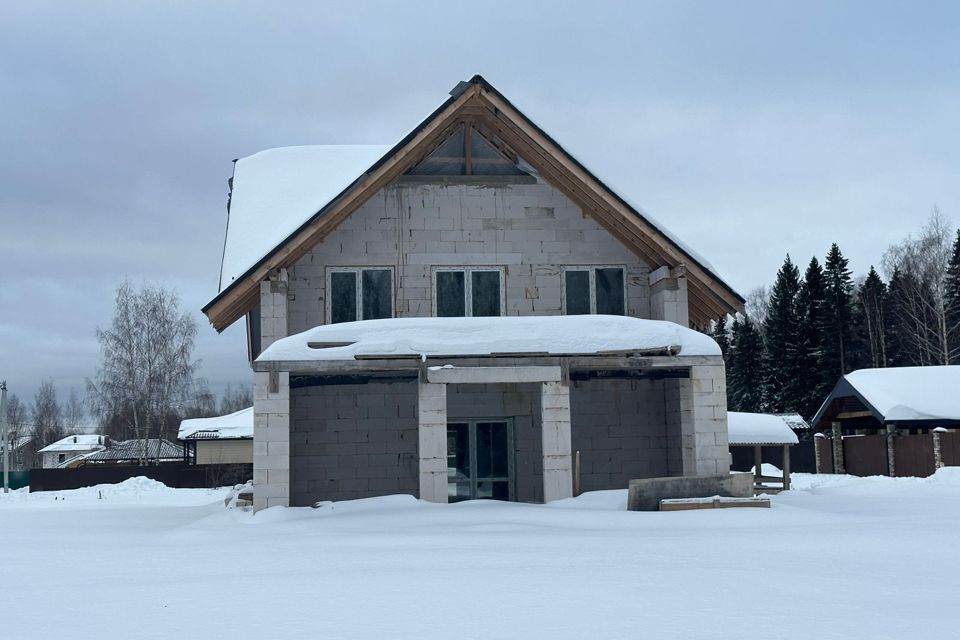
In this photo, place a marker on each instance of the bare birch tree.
(919, 291)
(146, 371)
(46, 415)
(73, 413)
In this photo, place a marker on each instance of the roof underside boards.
(478, 103)
(758, 429)
(893, 395)
(238, 424)
(517, 335)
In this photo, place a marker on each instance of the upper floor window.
(467, 291)
(359, 293)
(594, 290)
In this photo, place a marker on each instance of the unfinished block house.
(469, 313)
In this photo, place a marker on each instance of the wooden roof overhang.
(478, 102)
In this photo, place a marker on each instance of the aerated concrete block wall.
(353, 441)
(620, 430)
(531, 230)
(271, 440)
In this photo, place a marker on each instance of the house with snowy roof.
(70, 448)
(469, 313)
(219, 440)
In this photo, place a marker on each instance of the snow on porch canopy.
(236, 425)
(514, 335)
(758, 428)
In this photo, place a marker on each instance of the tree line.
(795, 340)
(145, 383)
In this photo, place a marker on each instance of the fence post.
(838, 466)
(937, 451)
(817, 437)
(891, 467)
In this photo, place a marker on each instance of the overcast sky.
(749, 129)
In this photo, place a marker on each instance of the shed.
(760, 430)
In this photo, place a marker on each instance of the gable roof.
(80, 442)
(901, 395)
(238, 424)
(476, 100)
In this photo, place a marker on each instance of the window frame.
(328, 305)
(468, 287)
(591, 269)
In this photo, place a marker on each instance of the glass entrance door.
(479, 460)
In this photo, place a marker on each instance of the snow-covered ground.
(838, 557)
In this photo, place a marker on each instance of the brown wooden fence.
(913, 455)
(950, 448)
(173, 475)
(865, 455)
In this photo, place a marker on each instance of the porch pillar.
(891, 463)
(432, 441)
(271, 439)
(668, 295)
(708, 414)
(557, 465)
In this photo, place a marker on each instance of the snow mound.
(949, 476)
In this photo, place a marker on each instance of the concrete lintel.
(490, 375)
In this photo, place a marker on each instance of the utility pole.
(3, 434)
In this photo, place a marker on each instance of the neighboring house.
(132, 452)
(427, 291)
(23, 452)
(919, 399)
(69, 449)
(221, 440)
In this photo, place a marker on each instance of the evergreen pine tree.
(815, 379)
(871, 320)
(782, 327)
(745, 368)
(719, 335)
(898, 353)
(952, 302)
(839, 314)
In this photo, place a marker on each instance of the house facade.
(69, 449)
(226, 439)
(477, 214)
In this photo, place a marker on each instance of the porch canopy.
(549, 350)
(760, 430)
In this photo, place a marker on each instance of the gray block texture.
(645, 494)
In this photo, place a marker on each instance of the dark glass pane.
(458, 462)
(610, 292)
(451, 294)
(492, 450)
(486, 293)
(494, 490)
(343, 296)
(578, 292)
(377, 287)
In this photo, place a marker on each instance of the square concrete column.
(432, 441)
(557, 463)
(273, 309)
(271, 439)
(708, 413)
(668, 295)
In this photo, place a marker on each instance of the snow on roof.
(238, 424)
(910, 393)
(82, 442)
(277, 190)
(436, 337)
(758, 428)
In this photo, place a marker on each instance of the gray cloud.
(749, 129)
